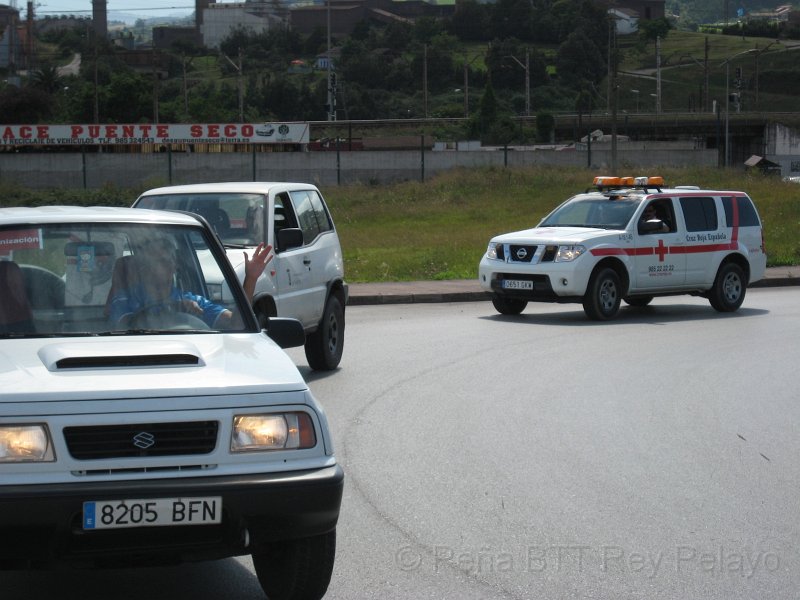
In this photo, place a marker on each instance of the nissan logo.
(521, 253)
(144, 440)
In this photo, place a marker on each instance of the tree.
(651, 30)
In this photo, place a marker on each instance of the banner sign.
(154, 133)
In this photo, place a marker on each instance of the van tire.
(324, 347)
(603, 295)
(638, 301)
(729, 288)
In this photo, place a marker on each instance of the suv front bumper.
(42, 524)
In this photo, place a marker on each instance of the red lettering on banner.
(162, 131)
(25, 132)
(145, 130)
(247, 131)
(8, 133)
(195, 131)
(230, 130)
(213, 131)
(111, 131)
(42, 131)
(128, 131)
(94, 131)
(77, 130)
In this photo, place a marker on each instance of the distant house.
(646, 10)
(626, 20)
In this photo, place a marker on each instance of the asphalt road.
(545, 456)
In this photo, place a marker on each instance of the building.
(645, 9)
(220, 20)
(345, 14)
(10, 44)
(626, 20)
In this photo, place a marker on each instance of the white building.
(220, 20)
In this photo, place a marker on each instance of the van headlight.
(281, 431)
(491, 251)
(25, 443)
(569, 253)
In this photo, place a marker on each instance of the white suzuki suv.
(145, 417)
(305, 280)
(630, 239)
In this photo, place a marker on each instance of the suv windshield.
(112, 278)
(238, 218)
(593, 211)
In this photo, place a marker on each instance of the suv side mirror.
(288, 238)
(287, 333)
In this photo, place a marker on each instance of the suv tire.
(508, 306)
(324, 347)
(296, 569)
(729, 288)
(638, 300)
(603, 295)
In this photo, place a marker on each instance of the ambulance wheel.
(638, 300)
(508, 306)
(603, 295)
(729, 288)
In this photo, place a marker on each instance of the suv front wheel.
(297, 569)
(603, 295)
(324, 347)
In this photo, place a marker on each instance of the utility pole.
(425, 78)
(658, 75)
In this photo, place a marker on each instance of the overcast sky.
(142, 8)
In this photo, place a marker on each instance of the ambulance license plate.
(517, 284)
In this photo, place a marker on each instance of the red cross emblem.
(661, 250)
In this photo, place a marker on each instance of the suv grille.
(516, 252)
(141, 439)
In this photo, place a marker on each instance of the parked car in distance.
(630, 239)
(305, 280)
(145, 417)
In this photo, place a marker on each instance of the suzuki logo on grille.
(521, 253)
(144, 440)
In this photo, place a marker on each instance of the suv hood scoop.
(59, 357)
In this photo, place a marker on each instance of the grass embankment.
(439, 229)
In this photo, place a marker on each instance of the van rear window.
(748, 217)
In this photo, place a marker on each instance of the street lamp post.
(526, 68)
(727, 63)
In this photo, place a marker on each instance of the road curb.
(469, 290)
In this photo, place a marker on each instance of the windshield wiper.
(234, 246)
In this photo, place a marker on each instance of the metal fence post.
(422, 157)
(83, 163)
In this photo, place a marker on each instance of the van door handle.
(306, 261)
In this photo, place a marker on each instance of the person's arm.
(254, 267)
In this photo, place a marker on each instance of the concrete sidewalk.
(466, 290)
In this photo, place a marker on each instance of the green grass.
(439, 229)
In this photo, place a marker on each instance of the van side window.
(747, 212)
(311, 214)
(700, 214)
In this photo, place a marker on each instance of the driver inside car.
(151, 289)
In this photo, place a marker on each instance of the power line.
(88, 11)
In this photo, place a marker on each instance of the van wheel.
(508, 306)
(602, 298)
(729, 288)
(638, 300)
(296, 569)
(324, 347)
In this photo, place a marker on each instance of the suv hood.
(59, 369)
(571, 235)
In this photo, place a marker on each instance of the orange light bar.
(604, 181)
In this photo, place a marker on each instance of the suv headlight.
(568, 253)
(25, 443)
(283, 431)
(491, 251)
